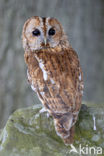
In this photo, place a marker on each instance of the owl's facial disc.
(42, 33)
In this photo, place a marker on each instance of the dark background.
(83, 21)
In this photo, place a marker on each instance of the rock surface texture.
(29, 133)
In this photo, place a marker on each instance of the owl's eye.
(51, 32)
(36, 32)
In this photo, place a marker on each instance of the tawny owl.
(54, 72)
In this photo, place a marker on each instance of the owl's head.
(41, 33)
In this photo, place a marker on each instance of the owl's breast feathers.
(57, 78)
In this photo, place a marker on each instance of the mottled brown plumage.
(54, 72)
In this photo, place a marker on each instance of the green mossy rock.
(28, 133)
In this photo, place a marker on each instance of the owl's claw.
(44, 110)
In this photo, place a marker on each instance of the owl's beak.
(45, 41)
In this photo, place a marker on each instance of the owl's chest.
(52, 70)
(52, 67)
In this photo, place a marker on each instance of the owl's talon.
(43, 110)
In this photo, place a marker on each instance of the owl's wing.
(65, 94)
(77, 79)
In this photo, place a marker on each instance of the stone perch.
(29, 133)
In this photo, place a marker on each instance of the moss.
(29, 133)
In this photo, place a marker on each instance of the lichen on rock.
(29, 133)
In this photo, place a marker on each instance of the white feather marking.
(41, 65)
(28, 75)
(94, 119)
(80, 77)
(42, 93)
(33, 88)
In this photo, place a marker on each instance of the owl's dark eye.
(51, 32)
(36, 32)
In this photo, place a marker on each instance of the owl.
(54, 72)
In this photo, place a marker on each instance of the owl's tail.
(63, 126)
